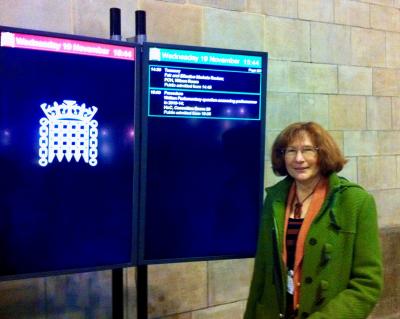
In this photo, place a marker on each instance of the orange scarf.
(316, 203)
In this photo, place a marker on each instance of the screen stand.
(142, 289)
(117, 293)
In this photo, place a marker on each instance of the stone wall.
(332, 61)
(389, 305)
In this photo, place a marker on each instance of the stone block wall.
(389, 305)
(331, 61)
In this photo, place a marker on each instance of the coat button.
(281, 315)
(308, 280)
(312, 241)
(324, 285)
(328, 248)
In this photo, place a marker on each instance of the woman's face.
(301, 159)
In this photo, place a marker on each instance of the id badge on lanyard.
(290, 285)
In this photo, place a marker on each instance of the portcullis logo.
(68, 131)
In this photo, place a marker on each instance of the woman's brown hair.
(330, 158)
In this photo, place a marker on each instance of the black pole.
(117, 278)
(115, 24)
(140, 26)
(142, 290)
(117, 293)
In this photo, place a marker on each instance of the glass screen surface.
(204, 137)
(66, 153)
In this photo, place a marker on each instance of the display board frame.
(263, 56)
(125, 47)
(141, 121)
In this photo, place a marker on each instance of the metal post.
(117, 293)
(142, 290)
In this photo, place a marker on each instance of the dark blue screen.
(204, 160)
(68, 214)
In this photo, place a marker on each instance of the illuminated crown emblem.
(68, 131)
(68, 110)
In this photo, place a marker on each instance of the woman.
(318, 252)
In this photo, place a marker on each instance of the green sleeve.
(365, 286)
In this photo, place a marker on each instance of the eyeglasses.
(308, 152)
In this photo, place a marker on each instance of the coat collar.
(279, 193)
(280, 190)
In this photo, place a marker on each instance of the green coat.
(342, 266)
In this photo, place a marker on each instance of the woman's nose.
(299, 156)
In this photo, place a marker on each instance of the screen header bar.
(54, 44)
(204, 57)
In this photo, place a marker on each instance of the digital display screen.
(67, 153)
(204, 144)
